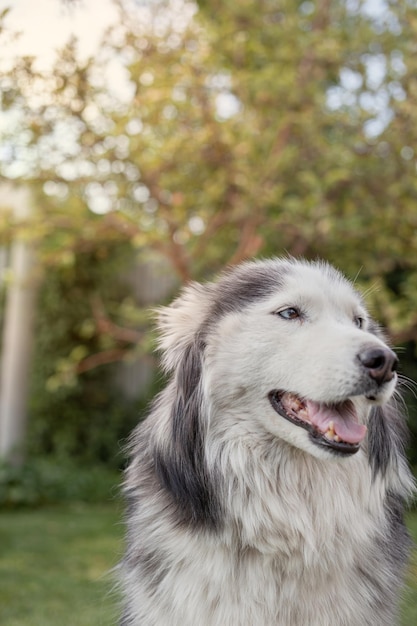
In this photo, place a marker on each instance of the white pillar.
(17, 333)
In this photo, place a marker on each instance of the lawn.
(409, 614)
(55, 564)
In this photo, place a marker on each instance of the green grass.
(409, 612)
(55, 566)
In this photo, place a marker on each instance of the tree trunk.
(17, 335)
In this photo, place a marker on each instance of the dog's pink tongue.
(343, 416)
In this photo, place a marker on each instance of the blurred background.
(147, 143)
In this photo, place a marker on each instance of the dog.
(267, 485)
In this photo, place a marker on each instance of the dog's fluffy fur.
(242, 510)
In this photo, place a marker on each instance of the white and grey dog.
(266, 487)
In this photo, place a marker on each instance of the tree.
(295, 165)
(240, 128)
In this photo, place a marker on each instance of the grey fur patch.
(397, 541)
(239, 287)
(127, 621)
(182, 468)
(390, 555)
(387, 437)
(154, 566)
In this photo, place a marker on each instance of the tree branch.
(250, 241)
(106, 327)
(100, 358)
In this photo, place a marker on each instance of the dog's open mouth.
(334, 426)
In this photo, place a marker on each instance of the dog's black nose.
(380, 363)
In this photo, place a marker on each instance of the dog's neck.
(275, 498)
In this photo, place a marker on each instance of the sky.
(46, 25)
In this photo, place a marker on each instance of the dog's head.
(279, 347)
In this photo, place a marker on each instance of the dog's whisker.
(408, 383)
(399, 401)
(370, 290)
(357, 274)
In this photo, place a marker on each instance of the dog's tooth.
(329, 434)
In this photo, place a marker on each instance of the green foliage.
(43, 481)
(90, 423)
(316, 155)
(243, 129)
(74, 415)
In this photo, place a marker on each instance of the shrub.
(43, 481)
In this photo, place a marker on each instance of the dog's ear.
(178, 323)
(181, 466)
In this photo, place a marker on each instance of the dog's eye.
(359, 321)
(291, 313)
